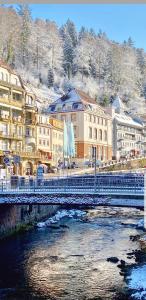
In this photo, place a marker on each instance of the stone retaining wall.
(17, 217)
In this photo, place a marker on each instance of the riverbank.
(19, 218)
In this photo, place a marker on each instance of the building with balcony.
(17, 123)
(92, 126)
(57, 137)
(43, 139)
(128, 131)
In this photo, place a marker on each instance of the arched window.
(105, 135)
(1, 76)
(100, 134)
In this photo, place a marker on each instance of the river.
(69, 261)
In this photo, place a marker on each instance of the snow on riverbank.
(137, 283)
(72, 213)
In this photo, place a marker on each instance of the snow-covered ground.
(71, 213)
(137, 283)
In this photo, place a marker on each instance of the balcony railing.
(16, 103)
(4, 100)
(29, 154)
(4, 118)
(12, 136)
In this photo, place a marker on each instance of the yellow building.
(43, 140)
(57, 141)
(17, 124)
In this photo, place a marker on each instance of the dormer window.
(52, 108)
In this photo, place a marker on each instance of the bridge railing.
(80, 184)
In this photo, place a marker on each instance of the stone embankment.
(14, 218)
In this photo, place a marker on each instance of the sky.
(119, 21)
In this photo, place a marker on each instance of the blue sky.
(119, 21)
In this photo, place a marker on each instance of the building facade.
(92, 126)
(128, 132)
(26, 135)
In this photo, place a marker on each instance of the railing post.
(34, 185)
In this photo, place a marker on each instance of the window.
(75, 131)
(44, 142)
(100, 134)
(7, 77)
(1, 76)
(73, 117)
(40, 129)
(105, 135)
(40, 142)
(48, 131)
(90, 132)
(94, 119)
(17, 97)
(95, 133)
(44, 130)
(27, 132)
(63, 117)
(90, 151)
(20, 131)
(48, 143)
(90, 118)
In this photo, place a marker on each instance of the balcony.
(18, 120)
(9, 136)
(30, 122)
(26, 154)
(4, 118)
(4, 100)
(16, 103)
(30, 140)
(30, 107)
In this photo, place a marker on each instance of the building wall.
(15, 217)
(82, 121)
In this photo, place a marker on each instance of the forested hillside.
(45, 54)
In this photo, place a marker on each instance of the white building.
(128, 132)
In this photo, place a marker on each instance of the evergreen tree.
(71, 30)
(50, 78)
(130, 42)
(24, 12)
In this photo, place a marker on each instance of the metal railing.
(104, 185)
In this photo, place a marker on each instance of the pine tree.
(71, 30)
(68, 56)
(50, 78)
(130, 42)
(25, 14)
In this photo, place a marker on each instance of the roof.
(76, 100)
(85, 97)
(5, 65)
(127, 120)
(118, 104)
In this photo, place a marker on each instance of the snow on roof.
(118, 104)
(76, 95)
(123, 118)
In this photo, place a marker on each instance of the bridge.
(123, 190)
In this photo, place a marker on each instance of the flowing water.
(69, 261)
